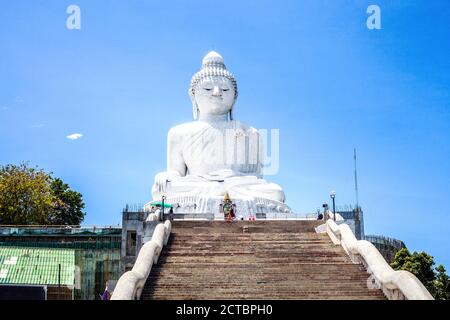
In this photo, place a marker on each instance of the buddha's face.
(215, 96)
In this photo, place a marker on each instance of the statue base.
(244, 207)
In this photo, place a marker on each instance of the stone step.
(226, 232)
(315, 296)
(291, 275)
(250, 294)
(252, 226)
(244, 250)
(268, 291)
(310, 269)
(246, 239)
(248, 270)
(273, 260)
(307, 295)
(178, 224)
(223, 261)
(292, 285)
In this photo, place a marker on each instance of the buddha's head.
(213, 89)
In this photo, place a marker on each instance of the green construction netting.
(38, 266)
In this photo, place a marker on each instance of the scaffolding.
(96, 251)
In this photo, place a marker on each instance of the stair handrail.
(396, 285)
(131, 283)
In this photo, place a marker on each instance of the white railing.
(396, 285)
(131, 283)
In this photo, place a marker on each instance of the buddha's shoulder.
(193, 127)
(184, 128)
(245, 127)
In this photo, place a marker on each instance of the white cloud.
(74, 136)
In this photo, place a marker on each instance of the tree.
(421, 265)
(441, 284)
(30, 196)
(68, 206)
(400, 259)
(25, 195)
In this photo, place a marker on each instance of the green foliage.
(68, 206)
(441, 284)
(421, 265)
(29, 196)
(400, 259)
(25, 195)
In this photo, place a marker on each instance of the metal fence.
(57, 231)
(259, 216)
(387, 242)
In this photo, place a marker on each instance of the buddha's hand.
(162, 178)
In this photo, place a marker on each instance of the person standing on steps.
(171, 214)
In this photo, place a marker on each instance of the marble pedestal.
(245, 207)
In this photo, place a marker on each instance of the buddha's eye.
(225, 89)
(208, 89)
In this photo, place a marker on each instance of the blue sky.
(309, 68)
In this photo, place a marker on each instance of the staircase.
(269, 260)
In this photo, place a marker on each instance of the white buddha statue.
(216, 154)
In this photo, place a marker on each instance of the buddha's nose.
(217, 92)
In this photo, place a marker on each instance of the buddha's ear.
(231, 114)
(195, 110)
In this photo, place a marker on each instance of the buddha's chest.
(229, 147)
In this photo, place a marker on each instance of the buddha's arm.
(260, 164)
(258, 140)
(260, 155)
(175, 160)
(175, 163)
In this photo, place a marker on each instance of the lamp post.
(333, 195)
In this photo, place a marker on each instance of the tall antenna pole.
(356, 180)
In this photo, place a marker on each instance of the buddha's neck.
(213, 118)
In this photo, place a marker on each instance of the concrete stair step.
(312, 295)
(274, 260)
